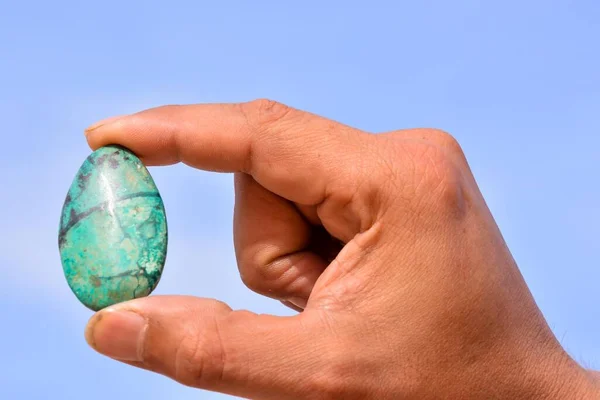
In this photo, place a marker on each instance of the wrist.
(565, 379)
(543, 372)
(594, 379)
(582, 385)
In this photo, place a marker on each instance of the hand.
(406, 287)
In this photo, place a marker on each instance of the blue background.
(516, 82)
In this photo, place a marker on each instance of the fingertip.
(89, 329)
(105, 132)
(101, 123)
(149, 138)
(118, 334)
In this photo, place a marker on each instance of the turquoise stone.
(113, 230)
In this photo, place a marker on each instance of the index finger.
(294, 154)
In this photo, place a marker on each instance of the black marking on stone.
(148, 221)
(137, 278)
(75, 217)
(129, 272)
(125, 233)
(113, 162)
(83, 180)
(152, 278)
(137, 273)
(102, 158)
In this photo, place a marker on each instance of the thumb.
(203, 343)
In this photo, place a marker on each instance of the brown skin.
(384, 242)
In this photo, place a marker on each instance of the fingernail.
(117, 334)
(102, 123)
(298, 302)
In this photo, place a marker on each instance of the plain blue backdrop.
(517, 83)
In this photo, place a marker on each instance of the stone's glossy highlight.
(113, 230)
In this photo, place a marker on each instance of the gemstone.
(113, 230)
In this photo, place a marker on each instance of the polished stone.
(113, 230)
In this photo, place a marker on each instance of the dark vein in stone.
(137, 278)
(141, 270)
(137, 273)
(129, 272)
(123, 230)
(74, 218)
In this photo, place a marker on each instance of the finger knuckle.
(253, 278)
(342, 369)
(263, 112)
(251, 269)
(337, 378)
(423, 174)
(446, 140)
(438, 181)
(200, 358)
(438, 137)
(277, 278)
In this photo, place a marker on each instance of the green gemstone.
(113, 230)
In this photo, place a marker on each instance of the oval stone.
(113, 230)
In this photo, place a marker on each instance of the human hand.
(385, 243)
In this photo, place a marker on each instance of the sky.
(517, 83)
